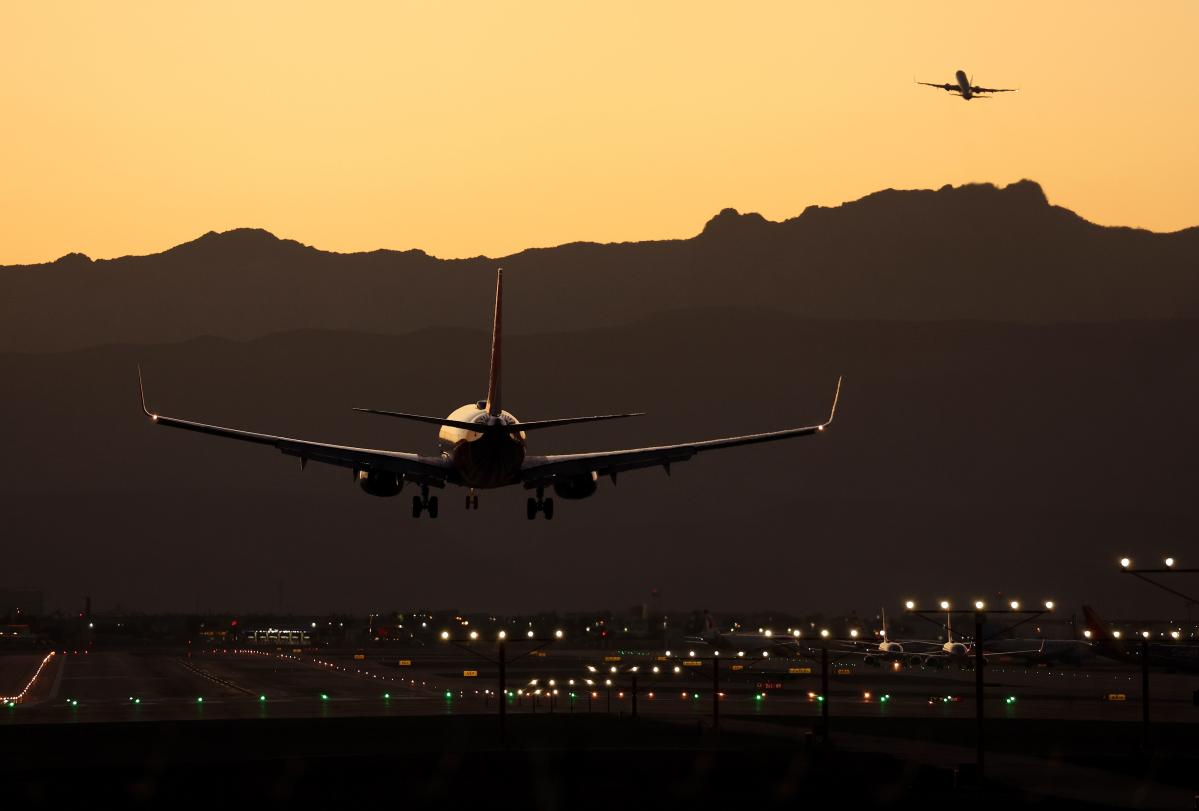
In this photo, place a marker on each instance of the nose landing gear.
(424, 503)
(540, 504)
(472, 500)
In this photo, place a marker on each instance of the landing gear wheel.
(547, 507)
(531, 508)
(474, 502)
(432, 506)
(468, 502)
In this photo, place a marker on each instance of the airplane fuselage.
(964, 84)
(482, 460)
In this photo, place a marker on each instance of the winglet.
(141, 389)
(833, 411)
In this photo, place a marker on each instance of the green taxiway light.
(820, 698)
(387, 695)
(1011, 699)
(74, 702)
(199, 699)
(757, 696)
(447, 694)
(12, 704)
(324, 696)
(262, 698)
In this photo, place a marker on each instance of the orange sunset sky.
(484, 128)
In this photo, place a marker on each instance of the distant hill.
(970, 252)
(966, 458)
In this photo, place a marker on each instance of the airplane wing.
(994, 89)
(424, 469)
(543, 469)
(952, 88)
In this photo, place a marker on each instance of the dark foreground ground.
(577, 761)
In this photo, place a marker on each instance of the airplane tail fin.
(1105, 641)
(1093, 623)
(493, 378)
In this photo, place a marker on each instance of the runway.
(139, 685)
(157, 723)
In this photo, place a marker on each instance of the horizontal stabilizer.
(466, 426)
(482, 427)
(529, 426)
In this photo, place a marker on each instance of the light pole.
(824, 696)
(1169, 566)
(631, 672)
(501, 662)
(980, 613)
(715, 690)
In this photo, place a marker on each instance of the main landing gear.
(472, 500)
(540, 505)
(424, 503)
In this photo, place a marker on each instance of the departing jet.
(966, 90)
(482, 447)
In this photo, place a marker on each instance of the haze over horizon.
(486, 130)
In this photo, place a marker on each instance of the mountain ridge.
(1026, 188)
(971, 252)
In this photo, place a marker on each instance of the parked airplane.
(934, 653)
(765, 641)
(1176, 655)
(482, 446)
(964, 88)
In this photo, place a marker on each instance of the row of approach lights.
(979, 605)
(502, 635)
(1126, 563)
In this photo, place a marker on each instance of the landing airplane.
(966, 90)
(483, 447)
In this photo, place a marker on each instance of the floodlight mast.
(1170, 567)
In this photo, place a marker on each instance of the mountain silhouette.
(968, 252)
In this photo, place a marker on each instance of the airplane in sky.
(964, 88)
(482, 446)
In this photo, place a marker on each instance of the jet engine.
(380, 483)
(956, 649)
(576, 487)
(890, 647)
